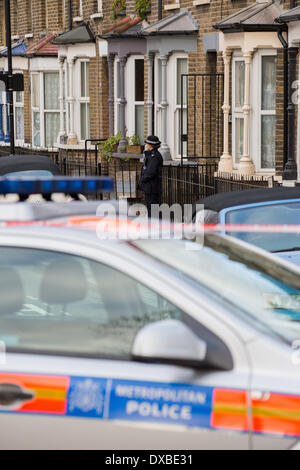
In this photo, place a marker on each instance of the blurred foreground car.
(276, 206)
(145, 344)
(28, 165)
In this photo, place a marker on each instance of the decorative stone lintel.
(172, 6)
(197, 3)
(96, 16)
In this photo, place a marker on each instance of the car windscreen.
(286, 213)
(273, 301)
(36, 173)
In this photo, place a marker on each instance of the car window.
(259, 295)
(58, 302)
(273, 214)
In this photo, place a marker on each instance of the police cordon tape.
(120, 223)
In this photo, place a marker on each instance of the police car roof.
(16, 163)
(221, 201)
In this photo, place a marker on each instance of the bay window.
(19, 117)
(177, 65)
(238, 83)
(264, 110)
(181, 111)
(134, 92)
(84, 100)
(268, 111)
(45, 108)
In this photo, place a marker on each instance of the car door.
(275, 397)
(68, 381)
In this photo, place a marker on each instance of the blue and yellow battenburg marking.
(137, 401)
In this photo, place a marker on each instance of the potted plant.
(142, 7)
(118, 8)
(109, 146)
(134, 145)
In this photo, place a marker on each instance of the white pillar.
(164, 149)
(225, 164)
(62, 130)
(123, 142)
(72, 137)
(149, 103)
(246, 165)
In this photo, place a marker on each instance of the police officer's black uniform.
(150, 179)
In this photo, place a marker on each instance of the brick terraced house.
(212, 78)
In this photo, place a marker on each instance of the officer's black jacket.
(150, 179)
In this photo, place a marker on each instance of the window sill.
(79, 146)
(131, 156)
(197, 3)
(77, 19)
(96, 16)
(263, 175)
(28, 36)
(173, 6)
(43, 149)
(15, 37)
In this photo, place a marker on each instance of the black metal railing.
(226, 183)
(181, 184)
(185, 184)
(5, 151)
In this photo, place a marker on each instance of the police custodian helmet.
(153, 140)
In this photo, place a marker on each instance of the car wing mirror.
(169, 342)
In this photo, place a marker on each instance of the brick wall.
(207, 16)
(29, 16)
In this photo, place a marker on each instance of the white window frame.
(77, 95)
(66, 94)
(256, 111)
(157, 105)
(80, 8)
(130, 94)
(100, 6)
(237, 113)
(41, 109)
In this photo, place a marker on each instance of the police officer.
(150, 179)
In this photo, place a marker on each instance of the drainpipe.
(159, 9)
(290, 169)
(70, 15)
(10, 77)
(285, 96)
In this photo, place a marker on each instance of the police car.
(143, 343)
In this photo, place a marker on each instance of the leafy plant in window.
(110, 145)
(134, 144)
(142, 7)
(117, 7)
